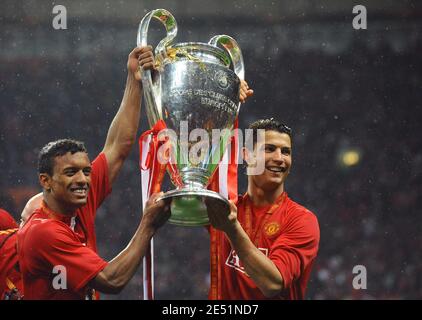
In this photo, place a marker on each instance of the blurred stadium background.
(352, 97)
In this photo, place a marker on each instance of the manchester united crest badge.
(271, 229)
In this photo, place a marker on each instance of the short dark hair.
(269, 125)
(56, 149)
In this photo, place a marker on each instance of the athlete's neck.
(261, 197)
(57, 207)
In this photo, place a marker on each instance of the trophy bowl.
(195, 93)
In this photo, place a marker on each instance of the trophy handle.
(233, 49)
(169, 22)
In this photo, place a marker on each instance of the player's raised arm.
(122, 132)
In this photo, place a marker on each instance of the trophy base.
(188, 207)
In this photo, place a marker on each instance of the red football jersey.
(10, 277)
(6, 220)
(53, 247)
(289, 236)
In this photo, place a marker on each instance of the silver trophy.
(196, 86)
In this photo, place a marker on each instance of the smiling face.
(277, 160)
(67, 189)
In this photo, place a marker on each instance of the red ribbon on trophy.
(224, 181)
(152, 174)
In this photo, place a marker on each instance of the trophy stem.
(189, 209)
(194, 178)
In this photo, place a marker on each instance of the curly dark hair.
(55, 149)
